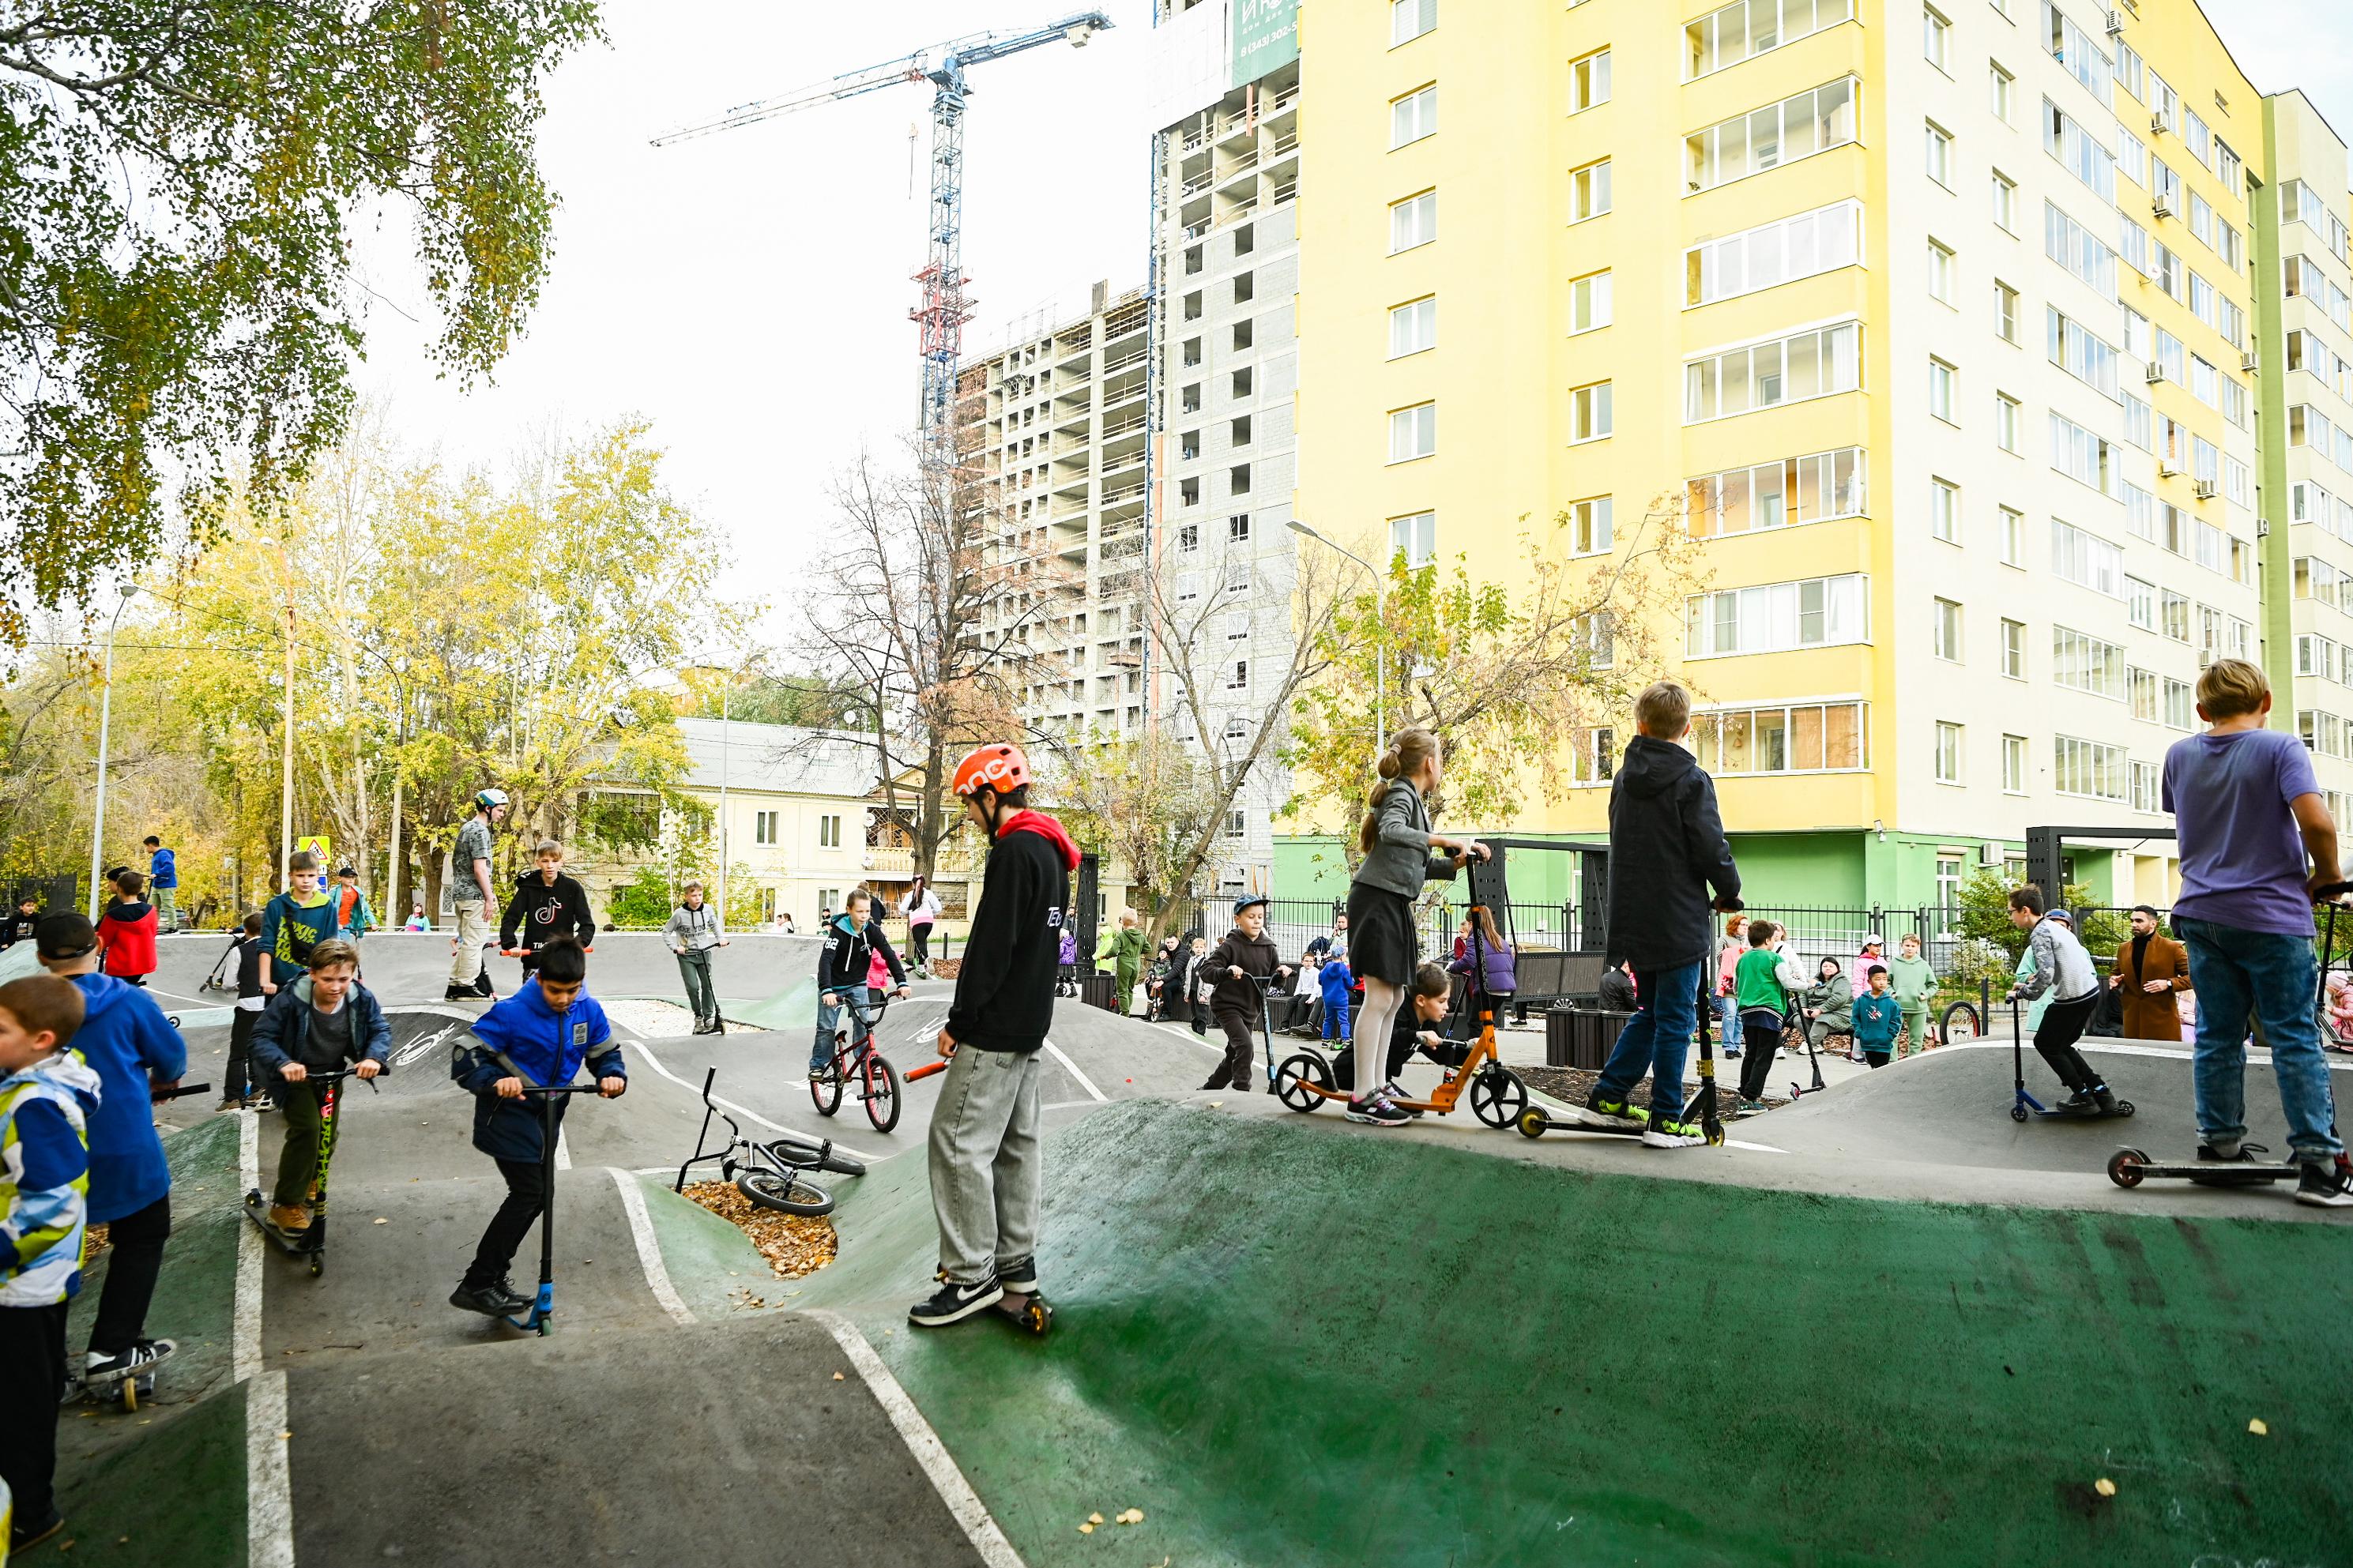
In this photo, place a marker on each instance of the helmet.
(1245, 901)
(491, 797)
(998, 766)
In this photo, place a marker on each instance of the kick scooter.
(2025, 1104)
(542, 1307)
(311, 1243)
(1535, 1122)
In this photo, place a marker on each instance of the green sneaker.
(1599, 1113)
(1664, 1134)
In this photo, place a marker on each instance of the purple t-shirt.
(2242, 861)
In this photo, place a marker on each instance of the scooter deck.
(2130, 1167)
(126, 1388)
(1535, 1121)
(2124, 1107)
(1035, 1314)
(293, 1243)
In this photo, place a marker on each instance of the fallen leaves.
(2104, 1487)
(1125, 1516)
(2259, 1428)
(794, 1245)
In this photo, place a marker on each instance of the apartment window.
(2180, 705)
(1775, 494)
(1239, 433)
(2005, 421)
(2079, 250)
(1192, 352)
(2140, 693)
(1763, 375)
(1818, 611)
(1939, 144)
(2005, 202)
(1237, 626)
(1245, 288)
(828, 832)
(1188, 446)
(1237, 577)
(1589, 82)
(1238, 479)
(1948, 752)
(1409, 19)
(2066, 140)
(2087, 768)
(2173, 609)
(1241, 382)
(1238, 678)
(2002, 89)
(1413, 327)
(2138, 427)
(1940, 272)
(1413, 117)
(1413, 432)
(1191, 400)
(1733, 32)
(1188, 538)
(1245, 240)
(2072, 49)
(1941, 389)
(1237, 824)
(1598, 633)
(2005, 312)
(1588, 303)
(2128, 70)
(2140, 603)
(2145, 787)
(1935, 37)
(1945, 510)
(764, 827)
(2013, 765)
(1242, 334)
(1188, 491)
(1413, 221)
(2082, 455)
(1828, 737)
(2074, 349)
(1193, 306)
(1588, 526)
(1415, 537)
(2011, 540)
(1193, 260)
(2013, 649)
(1773, 253)
(2086, 559)
(1188, 586)
(1237, 527)
(1590, 412)
(2084, 663)
(1588, 191)
(1949, 630)
(1796, 127)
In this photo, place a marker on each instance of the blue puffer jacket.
(130, 1044)
(546, 1048)
(162, 870)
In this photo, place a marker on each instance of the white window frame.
(1413, 432)
(1413, 327)
(1413, 221)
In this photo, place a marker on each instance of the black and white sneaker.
(483, 988)
(454, 991)
(1376, 1112)
(516, 1301)
(1019, 1275)
(2077, 1103)
(952, 1302)
(2326, 1183)
(489, 1301)
(1390, 1094)
(141, 1355)
(2222, 1175)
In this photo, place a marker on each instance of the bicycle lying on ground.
(859, 1057)
(774, 1174)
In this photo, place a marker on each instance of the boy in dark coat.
(316, 1025)
(1246, 956)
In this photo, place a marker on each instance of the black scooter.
(311, 1243)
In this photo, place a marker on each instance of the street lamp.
(1380, 644)
(105, 718)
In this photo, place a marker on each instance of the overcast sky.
(748, 292)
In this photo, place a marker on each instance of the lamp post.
(1380, 644)
(105, 718)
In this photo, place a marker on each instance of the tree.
(1148, 803)
(176, 284)
(1984, 916)
(1516, 677)
(753, 696)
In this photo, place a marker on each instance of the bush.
(643, 904)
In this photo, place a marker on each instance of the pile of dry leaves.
(793, 1244)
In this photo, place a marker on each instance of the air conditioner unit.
(2116, 24)
(1991, 853)
(2247, 361)
(2166, 470)
(2160, 206)
(2203, 488)
(2156, 125)
(2155, 372)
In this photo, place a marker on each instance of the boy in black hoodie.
(548, 904)
(1246, 956)
(18, 927)
(1667, 849)
(853, 940)
(984, 1170)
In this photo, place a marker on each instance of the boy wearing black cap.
(1245, 957)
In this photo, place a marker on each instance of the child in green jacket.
(1909, 976)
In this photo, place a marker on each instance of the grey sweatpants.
(984, 1161)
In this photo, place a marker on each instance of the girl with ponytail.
(1383, 947)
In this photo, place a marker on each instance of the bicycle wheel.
(1497, 1096)
(1959, 1023)
(792, 1149)
(881, 1093)
(826, 1095)
(794, 1194)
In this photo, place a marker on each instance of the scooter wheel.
(2124, 1107)
(2017, 1113)
(129, 1387)
(318, 1264)
(1534, 1122)
(2124, 1167)
(1293, 1077)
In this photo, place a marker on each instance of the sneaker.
(1732, 1053)
(516, 1301)
(260, 1102)
(27, 1533)
(482, 987)
(1599, 1113)
(1750, 1107)
(454, 991)
(952, 1302)
(824, 1075)
(2326, 1183)
(489, 1301)
(144, 1353)
(2105, 1098)
(1376, 1113)
(1665, 1132)
(2077, 1103)
(1019, 1274)
(2236, 1155)
(291, 1218)
(1389, 1094)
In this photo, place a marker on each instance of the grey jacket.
(693, 931)
(1400, 861)
(2061, 964)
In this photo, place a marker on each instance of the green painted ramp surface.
(1289, 1342)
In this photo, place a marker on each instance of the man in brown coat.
(2150, 969)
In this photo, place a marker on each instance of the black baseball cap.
(67, 935)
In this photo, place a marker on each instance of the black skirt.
(1382, 943)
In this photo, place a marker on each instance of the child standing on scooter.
(1878, 1013)
(321, 1022)
(1237, 963)
(537, 1037)
(2062, 968)
(2250, 813)
(46, 1097)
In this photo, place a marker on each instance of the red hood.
(1046, 827)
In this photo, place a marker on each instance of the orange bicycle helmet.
(999, 766)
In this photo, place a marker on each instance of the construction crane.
(941, 318)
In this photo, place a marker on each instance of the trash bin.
(1580, 1036)
(1097, 990)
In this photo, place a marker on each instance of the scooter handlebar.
(2329, 892)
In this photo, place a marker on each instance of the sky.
(748, 292)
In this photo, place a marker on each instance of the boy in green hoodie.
(1909, 976)
(296, 921)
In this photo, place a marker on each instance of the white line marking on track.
(649, 1257)
(1184, 1032)
(1084, 1081)
(268, 1491)
(245, 1349)
(1070, 1105)
(925, 1444)
(1759, 1148)
(646, 1052)
(2096, 1043)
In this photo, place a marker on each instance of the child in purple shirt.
(2249, 813)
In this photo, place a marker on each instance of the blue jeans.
(2274, 978)
(1727, 1035)
(829, 1019)
(1656, 1039)
(1335, 1020)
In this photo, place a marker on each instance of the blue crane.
(941, 318)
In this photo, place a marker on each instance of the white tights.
(1374, 1021)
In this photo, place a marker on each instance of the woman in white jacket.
(922, 908)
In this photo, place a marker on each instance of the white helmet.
(490, 799)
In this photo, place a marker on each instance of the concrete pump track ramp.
(1887, 1325)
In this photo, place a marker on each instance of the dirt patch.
(659, 1020)
(795, 1245)
(946, 968)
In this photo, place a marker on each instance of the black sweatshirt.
(17, 927)
(848, 956)
(548, 911)
(1005, 990)
(1667, 851)
(1255, 956)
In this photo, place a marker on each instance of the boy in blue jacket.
(316, 1025)
(127, 1041)
(1336, 983)
(538, 1036)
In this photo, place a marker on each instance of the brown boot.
(292, 1217)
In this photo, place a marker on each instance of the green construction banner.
(1266, 36)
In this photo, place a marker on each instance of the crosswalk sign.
(315, 844)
